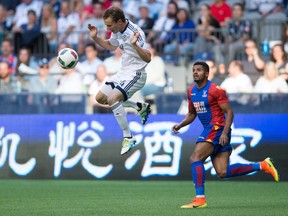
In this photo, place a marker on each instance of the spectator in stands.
(156, 81)
(6, 19)
(101, 76)
(265, 8)
(28, 33)
(154, 8)
(285, 74)
(221, 11)
(113, 63)
(240, 30)
(238, 81)
(162, 26)
(279, 57)
(26, 66)
(183, 4)
(285, 38)
(8, 83)
(252, 62)
(10, 5)
(68, 23)
(213, 74)
(77, 6)
(44, 83)
(49, 26)
(7, 55)
(56, 5)
(145, 22)
(70, 83)
(106, 3)
(89, 67)
(54, 68)
(131, 10)
(271, 82)
(22, 9)
(96, 19)
(209, 37)
(117, 3)
(271, 14)
(182, 40)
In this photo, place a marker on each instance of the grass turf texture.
(63, 197)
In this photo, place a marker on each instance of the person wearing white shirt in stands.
(22, 9)
(70, 83)
(68, 22)
(237, 82)
(113, 63)
(271, 82)
(89, 67)
(156, 81)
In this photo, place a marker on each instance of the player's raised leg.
(224, 170)
(143, 109)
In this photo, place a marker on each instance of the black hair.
(203, 64)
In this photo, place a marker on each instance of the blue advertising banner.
(88, 146)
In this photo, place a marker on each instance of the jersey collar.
(125, 27)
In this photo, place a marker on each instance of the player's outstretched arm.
(144, 54)
(103, 43)
(188, 119)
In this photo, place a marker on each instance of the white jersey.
(131, 61)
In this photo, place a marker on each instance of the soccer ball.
(67, 58)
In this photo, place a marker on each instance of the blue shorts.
(212, 135)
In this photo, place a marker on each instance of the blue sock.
(241, 169)
(198, 175)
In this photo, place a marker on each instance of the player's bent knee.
(221, 174)
(100, 99)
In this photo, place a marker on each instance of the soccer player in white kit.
(132, 75)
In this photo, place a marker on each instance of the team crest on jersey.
(125, 37)
(204, 93)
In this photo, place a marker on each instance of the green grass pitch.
(102, 197)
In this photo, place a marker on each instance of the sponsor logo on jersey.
(200, 107)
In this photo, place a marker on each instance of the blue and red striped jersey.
(206, 102)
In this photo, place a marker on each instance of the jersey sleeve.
(219, 94)
(190, 104)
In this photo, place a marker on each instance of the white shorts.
(128, 85)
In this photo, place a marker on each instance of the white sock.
(120, 115)
(135, 105)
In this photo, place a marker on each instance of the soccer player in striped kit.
(132, 75)
(210, 103)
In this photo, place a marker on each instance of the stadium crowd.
(245, 43)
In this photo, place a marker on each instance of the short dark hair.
(115, 13)
(203, 64)
(239, 5)
(91, 45)
(31, 12)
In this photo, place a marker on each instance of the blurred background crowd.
(245, 44)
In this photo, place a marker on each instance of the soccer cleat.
(268, 167)
(144, 112)
(127, 144)
(198, 202)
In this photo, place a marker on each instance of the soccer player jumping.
(210, 103)
(132, 75)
